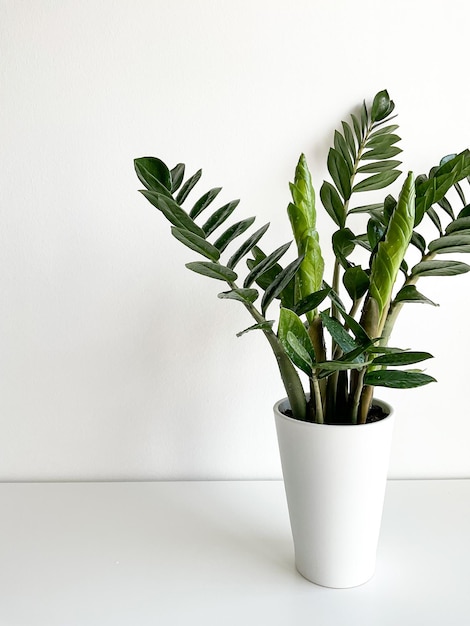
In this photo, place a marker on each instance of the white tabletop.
(219, 553)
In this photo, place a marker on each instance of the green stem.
(318, 400)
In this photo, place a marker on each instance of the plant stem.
(318, 400)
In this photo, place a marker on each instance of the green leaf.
(418, 241)
(378, 166)
(302, 216)
(349, 136)
(262, 326)
(219, 217)
(397, 379)
(339, 172)
(332, 203)
(204, 202)
(377, 181)
(343, 242)
(409, 293)
(172, 211)
(367, 208)
(241, 295)
(382, 141)
(328, 367)
(461, 223)
(196, 243)
(338, 332)
(381, 106)
(381, 153)
(342, 147)
(232, 233)
(311, 302)
(266, 264)
(188, 185)
(279, 283)
(375, 232)
(213, 270)
(391, 251)
(357, 128)
(458, 242)
(295, 340)
(432, 190)
(153, 174)
(440, 268)
(247, 246)
(434, 217)
(402, 358)
(177, 175)
(356, 282)
(465, 212)
(384, 130)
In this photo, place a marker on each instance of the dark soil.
(376, 413)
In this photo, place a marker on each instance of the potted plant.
(333, 337)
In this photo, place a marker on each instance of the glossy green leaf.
(377, 181)
(382, 141)
(339, 172)
(367, 208)
(375, 232)
(338, 332)
(461, 223)
(219, 217)
(247, 246)
(311, 302)
(332, 203)
(435, 219)
(341, 146)
(460, 193)
(384, 130)
(465, 212)
(382, 106)
(391, 251)
(409, 293)
(357, 128)
(378, 166)
(213, 270)
(349, 136)
(295, 340)
(440, 268)
(343, 242)
(356, 282)
(204, 202)
(266, 264)
(232, 233)
(402, 358)
(241, 295)
(279, 283)
(432, 190)
(188, 185)
(302, 216)
(456, 242)
(153, 174)
(196, 243)
(397, 379)
(418, 241)
(261, 326)
(381, 153)
(177, 176)
(172, 211)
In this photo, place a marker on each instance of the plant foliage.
(341, 378)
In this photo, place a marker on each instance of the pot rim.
(384, 405)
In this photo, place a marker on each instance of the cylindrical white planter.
(335, 478)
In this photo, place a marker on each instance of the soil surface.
(376, 413)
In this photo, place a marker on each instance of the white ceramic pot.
(335, 478)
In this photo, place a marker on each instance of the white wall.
(115, 361)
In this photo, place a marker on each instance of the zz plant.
(377, 284)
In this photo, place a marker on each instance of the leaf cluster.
(342, 350)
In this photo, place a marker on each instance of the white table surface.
(219, 553)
